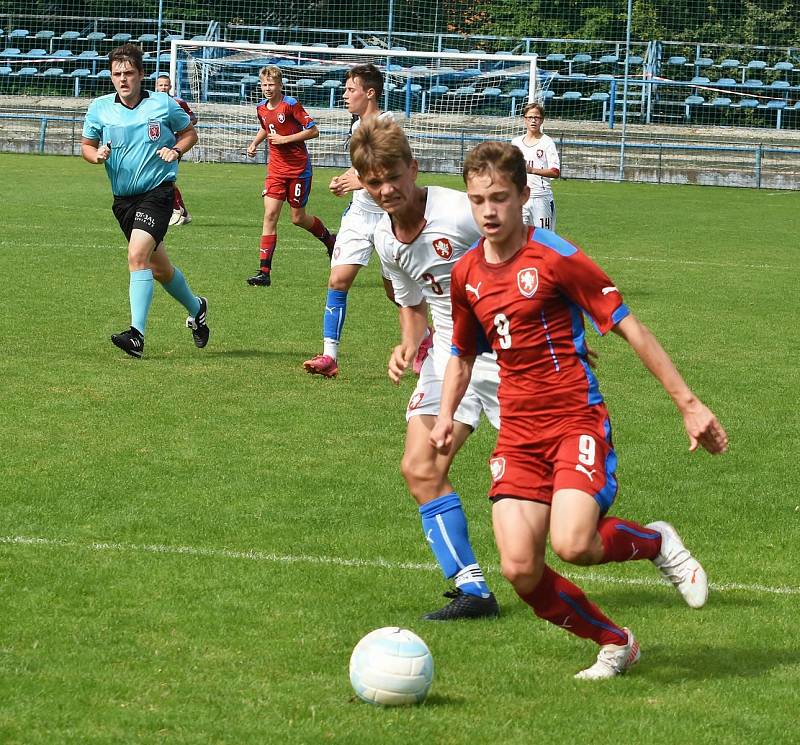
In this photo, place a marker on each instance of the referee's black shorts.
(149, 211)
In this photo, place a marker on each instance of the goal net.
(447, 102)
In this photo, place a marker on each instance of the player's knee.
(423, 480)
(573, 549)
(523, 573)
(298, 218)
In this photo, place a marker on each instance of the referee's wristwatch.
(179, 151)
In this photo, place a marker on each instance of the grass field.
(192, 543)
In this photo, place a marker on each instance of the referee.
(143, 137)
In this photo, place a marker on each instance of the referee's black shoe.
(131, 342)
(462, 606)
(200, 330)
(262, 279)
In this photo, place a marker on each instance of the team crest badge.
(154, 130)
(528, 281)
(498, 468)
(540, 153)
(415, 401)
(443, 247)
(281, 118)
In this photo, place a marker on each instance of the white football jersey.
(421, 270)
(542, 154)
(361, 198)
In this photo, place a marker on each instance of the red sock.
(177, 200)
(563, 604)
(267, 249)
(318, 230)
(624, 540)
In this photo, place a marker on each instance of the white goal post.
(446, 101)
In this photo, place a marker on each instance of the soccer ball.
(392, 667)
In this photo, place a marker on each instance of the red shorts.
(294, 190)
(577, 455)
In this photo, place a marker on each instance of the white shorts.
(354, 241)
(540, 212)
(481, 394)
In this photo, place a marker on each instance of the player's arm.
(252, 148)
(93, 152)
(701, 424)
(185, 140)
(413, 325)
(345, 183)
(457, 375)
(301, 136)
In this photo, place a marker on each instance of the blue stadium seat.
(748, 103)
(80, 72)
(726, 82)
(635, 59)
(52, 72)
(571, 96)
(797, 106)
(756, 64)
(753, 83)
(10, 52)
(5, 70)
(332, 86)
(147, 38)
(88, 54)
(599, 96)
(95, 36)
(608, 59)
(784, 66)
(703, 62)
(491, 92)
(464, 90)
(345, 46)
(199, 37)
(776, 104)
(62, 53)
(730, 64)
(677, 60)
(36, 53)
(105, 73)
(121, 38)
(70, 35)
(305, 82)
(25, 72)
(721, 101)
(581, 59)
(175, 37)
(780, 84)
(555, 57)
(547, 95)
(438, 90)
(44, 35)
(18, 33)
(700, 80)
(694, 100)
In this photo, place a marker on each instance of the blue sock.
(179, 289)
(333, 320)
(445, 528)
(140, 292)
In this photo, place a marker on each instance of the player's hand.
(252, 150)
(346, 183)
(168, 155)
(704, 429)
(399, 362)
(103, 153)
(333, 187)
(441, 436)
(276, 139)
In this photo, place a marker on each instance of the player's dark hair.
(369, 75)
(535, 106)
(497, 157)
(378, 145)
(126, 53)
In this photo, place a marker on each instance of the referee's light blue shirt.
(136, 135)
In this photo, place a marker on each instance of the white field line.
(224, 553)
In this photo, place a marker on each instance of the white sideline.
(224, 553)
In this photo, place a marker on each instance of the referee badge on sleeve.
(154, 130)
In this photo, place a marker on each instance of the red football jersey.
(530, 311)
(185, 106)
(287, 118)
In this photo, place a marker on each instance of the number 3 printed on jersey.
(503, 330)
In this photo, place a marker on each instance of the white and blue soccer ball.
(392, 667)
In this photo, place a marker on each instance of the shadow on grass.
(667, 663)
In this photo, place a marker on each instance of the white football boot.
(680, 567)
(613, 660)
(177, 217)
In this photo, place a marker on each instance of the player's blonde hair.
(377, 145)
(491, 157)
(271, 72)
